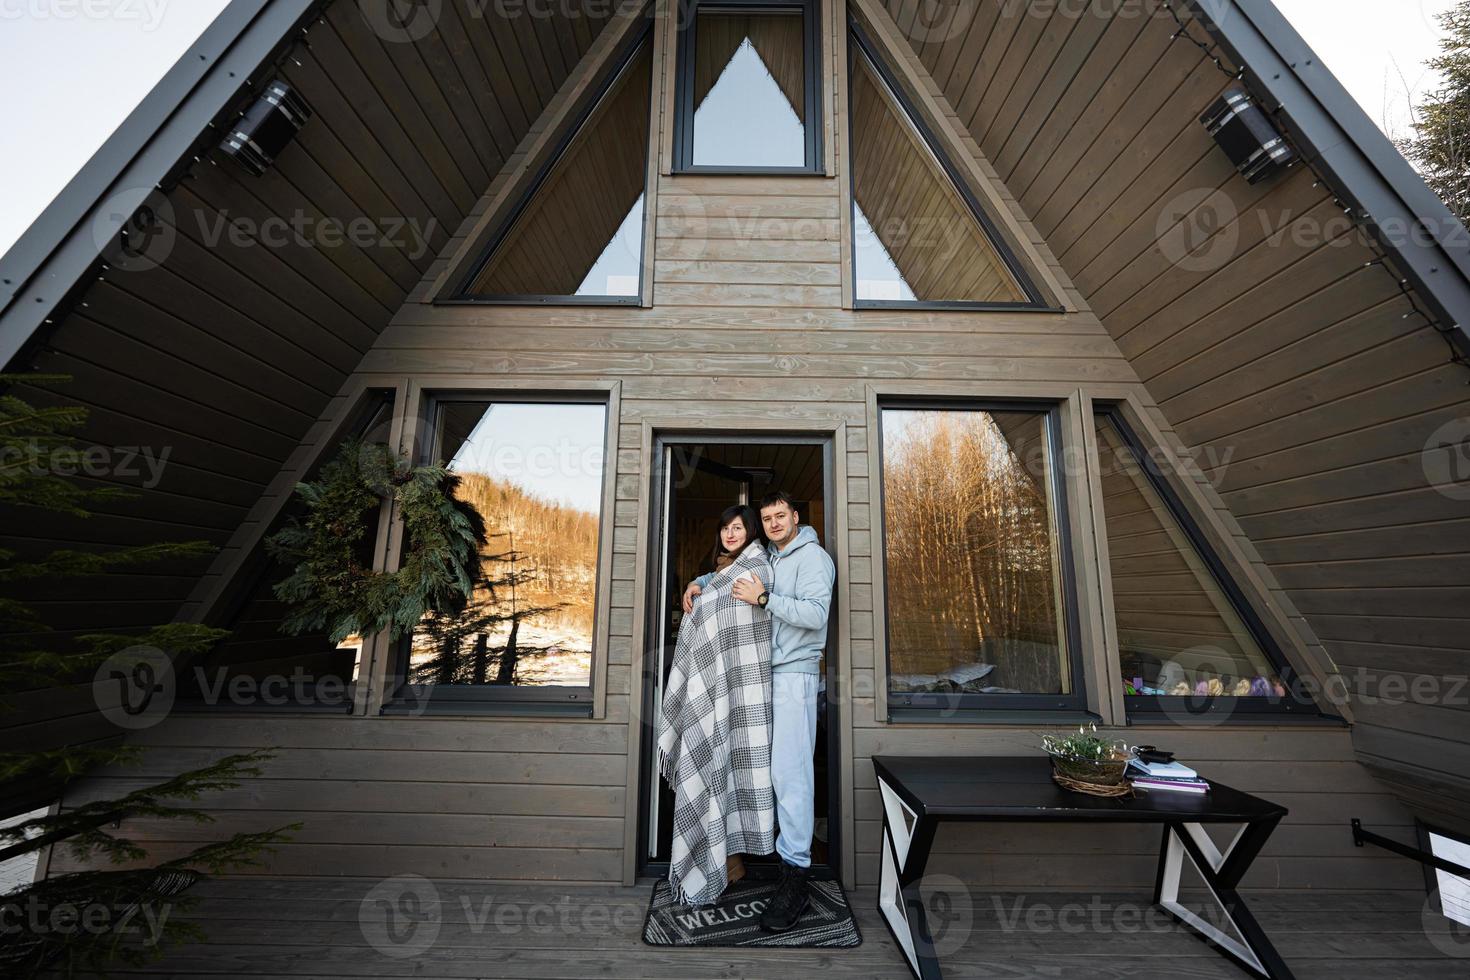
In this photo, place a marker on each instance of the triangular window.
(919, 236)
(1188, 638)
(747, 97)
(578, 234)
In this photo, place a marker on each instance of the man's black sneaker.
(789, 902)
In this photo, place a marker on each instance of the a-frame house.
(914, 264)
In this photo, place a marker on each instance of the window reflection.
(749, 90)
(581, 232)
(915, 236)
(971, 554)
(534, 472)
(1178, 632)
(259, 661)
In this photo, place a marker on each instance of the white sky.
(73, 69)
(1376, 48)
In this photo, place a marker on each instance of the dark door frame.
(653, 625)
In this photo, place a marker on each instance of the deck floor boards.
(276, 927)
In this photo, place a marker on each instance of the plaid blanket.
(714, 736)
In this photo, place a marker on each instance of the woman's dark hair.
(753, 531)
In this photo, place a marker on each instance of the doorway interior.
(694, 481)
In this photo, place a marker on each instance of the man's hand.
(690, 594)
(749, 590)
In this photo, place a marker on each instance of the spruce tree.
(124, 903)
(1440, 146)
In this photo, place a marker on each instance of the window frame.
(860, 46)
(460, 295)
(682, 161)
(1165, 708)
(564, 700)
(930, 706)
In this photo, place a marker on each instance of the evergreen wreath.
(330, 588)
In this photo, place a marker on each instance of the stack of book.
(1167, 776)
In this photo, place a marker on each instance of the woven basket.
(1094, 772)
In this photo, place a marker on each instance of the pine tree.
(1440, 147)
(32, 441)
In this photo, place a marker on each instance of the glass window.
(747, 93)
(1180, 632)
(973, 559)
(534, 470)
(917, 236)
(258, 664)
(580, 233)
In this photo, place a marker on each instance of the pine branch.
(71, 564)
(82, 826)
(46, 667)
(64, 764)
(140, 905)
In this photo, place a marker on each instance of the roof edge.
(58, 249)
(1408, 219)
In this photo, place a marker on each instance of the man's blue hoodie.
(801, 598)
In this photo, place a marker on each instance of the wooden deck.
(318, 927)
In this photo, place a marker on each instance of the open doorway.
(694, 481)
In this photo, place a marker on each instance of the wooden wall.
(746, 329)
(224, 354)
(1296, 372)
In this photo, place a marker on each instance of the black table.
(917, 792)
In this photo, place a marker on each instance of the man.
(799, 600)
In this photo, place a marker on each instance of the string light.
(1358, 216)
(199, 152)
(1182, 30)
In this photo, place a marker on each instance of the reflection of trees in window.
(529, 620)
(969, 557)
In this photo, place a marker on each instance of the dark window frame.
(860, 46)
(985, 708)
(683, 121)
(1157, 708)
(460, 295)
(400, 697)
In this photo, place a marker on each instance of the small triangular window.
(918, 235)
(579, 231)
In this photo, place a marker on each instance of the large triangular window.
(577, 235)
(919, 235)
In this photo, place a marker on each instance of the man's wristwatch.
(765, 597)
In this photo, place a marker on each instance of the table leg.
(905, 852)
(1221, 873)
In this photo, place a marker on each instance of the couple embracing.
(739, 722)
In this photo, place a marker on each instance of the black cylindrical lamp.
(1247, 135)
(266, 127)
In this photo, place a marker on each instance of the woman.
(720, 766)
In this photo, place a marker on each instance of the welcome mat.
(735, 919)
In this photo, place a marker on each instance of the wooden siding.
(1292, 370)
(747, 330)
(225, 354)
